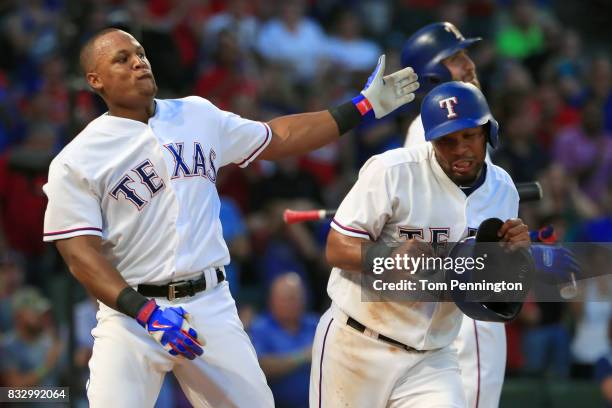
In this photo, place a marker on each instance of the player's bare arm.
(344, 252)
(301, 133)
(84, 258)
(297, 134)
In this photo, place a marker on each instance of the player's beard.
(472, 80)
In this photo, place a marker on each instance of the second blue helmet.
(426, 48)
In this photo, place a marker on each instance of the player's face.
(462, 68)
(461, 154)
(122, 73)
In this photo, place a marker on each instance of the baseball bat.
(530, 191)
(293, 216)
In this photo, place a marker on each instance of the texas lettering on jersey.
(436, 235)
(201, 165)
(147, 189)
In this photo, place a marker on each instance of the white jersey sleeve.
(416, 133)
(73, 208)
(243, 139)
(369, 204)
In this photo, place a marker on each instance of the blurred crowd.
(544, 66)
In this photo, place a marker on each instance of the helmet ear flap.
(437, 74)
(493, 130)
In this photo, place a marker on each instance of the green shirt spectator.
(515, 42)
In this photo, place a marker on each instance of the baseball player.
(134, 212)
(437, 52)
(399, 354)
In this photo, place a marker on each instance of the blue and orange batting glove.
(171, 328)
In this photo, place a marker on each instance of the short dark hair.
(85, 56)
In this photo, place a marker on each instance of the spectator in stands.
(294, 40)
(554, 114)
(32, 353)
(287, 181)
(235, 18)
(23, 172)
(586, 151)
(283, 339)
(162, 22)
(347, 48)
(568, 66)
(593, 314)
(520, 155)
(11, 279)
(603, 372)
(236, 237)
(226, 78)
(600, 88)
(33, 32)
(564, 197)
(523, 36)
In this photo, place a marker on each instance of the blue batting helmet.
(487, 305)
(425, 50)
(455, 106)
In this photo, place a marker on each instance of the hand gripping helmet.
(455, 106)
(425, 50)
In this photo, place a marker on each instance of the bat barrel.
(531, 191)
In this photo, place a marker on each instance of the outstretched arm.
(301, 133)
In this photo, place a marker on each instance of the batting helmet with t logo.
(455, 106)
(425, 50)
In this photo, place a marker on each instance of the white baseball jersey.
(481, 346)
(401, 194)
(148, 190)
(416, 133)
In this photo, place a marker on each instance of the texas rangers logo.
(449, 105)
(452, 29)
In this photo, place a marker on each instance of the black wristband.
(130, 302)
(347, 116)
(375, 250)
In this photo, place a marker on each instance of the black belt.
(179, 289)
(361, 328)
